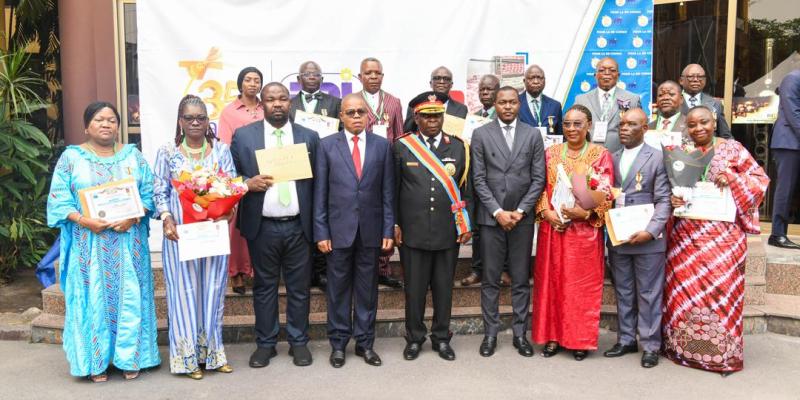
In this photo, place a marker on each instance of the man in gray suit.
(693, 80)
(637, 266)
(441, 82)
(606, 102)
(668, 112)
(508, 172)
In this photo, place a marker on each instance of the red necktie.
(356, 157)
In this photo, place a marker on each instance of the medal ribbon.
(378, 114)
(436, 168)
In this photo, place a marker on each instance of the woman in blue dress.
(195, 288)
(110, 316)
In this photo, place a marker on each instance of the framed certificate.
(113, 201)
(324, 126)
(203, 239)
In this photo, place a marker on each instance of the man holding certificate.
(275, 218)
(637, 264)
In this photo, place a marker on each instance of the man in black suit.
(441, 83)
(693, 80)
(432, 180)
(508, 169)
(313, 100)
(276, 220)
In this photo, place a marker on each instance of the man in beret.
(432, 213)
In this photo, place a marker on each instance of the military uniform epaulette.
(448, 137)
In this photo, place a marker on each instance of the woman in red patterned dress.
(704, 292)
(568, 271)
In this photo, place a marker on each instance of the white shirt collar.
(286, 128)
(315, 92)
(601, 92)
(513, 123)
(436, 139)
(634, 150)
(698, 96)
(350, 135)
(531, 98)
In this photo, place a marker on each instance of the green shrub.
(25, 152)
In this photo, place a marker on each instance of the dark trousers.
(318, 262)
(281, 247)
(639, 286)
(516, 245)
(787, 163)
(477, 257)
(352, 295)
(423, 269)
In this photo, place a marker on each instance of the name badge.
(543, 131)
(412, 164)
(599, 132)
(381, 130)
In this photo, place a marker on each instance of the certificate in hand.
(113, 201)
(324, 126)
(470, 124)
(708, 202)
(203, 239)
(623, 222)
(287, 163)
(562, 193)
(658, 138)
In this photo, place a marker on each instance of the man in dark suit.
(693, 80)
(638, 265)
(607, 102)
(313, 100)
(433, 199)
(276, 220)
(310, 98)
(536, 109)
(487, 91)
(353, 223)
(509, 176)
(441, 82)
(668, 112)
(785, 148)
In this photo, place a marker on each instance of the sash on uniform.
(437, 169)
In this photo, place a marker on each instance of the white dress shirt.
(362, 146)
(272, 207)
(372, 99)
(436, 140)
(626, 160)
(309, 106)
(698, 99)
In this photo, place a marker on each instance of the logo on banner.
(335, 84)
(213, 92)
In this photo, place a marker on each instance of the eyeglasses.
(311, 75)
(358, 111)
(693, 77)
(441, 78)
(191, 118)
(570, 124)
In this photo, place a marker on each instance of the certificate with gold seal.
(113, 201)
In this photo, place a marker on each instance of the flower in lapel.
(624, 104)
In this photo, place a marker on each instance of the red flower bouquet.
(591, 187)
(205, 194)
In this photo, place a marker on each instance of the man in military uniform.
(433, 202)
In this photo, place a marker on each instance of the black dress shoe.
(337, 358)
(488, 346)
(550, 349)
(619, 350)
(782, 242)
(389, 281)
(649, 359)
(301, 355)
(261, 356)
(523, 347)
(445, 351)
(320, 281)
(370, 356)
(411, 352)
(239, 289)
(580, 355)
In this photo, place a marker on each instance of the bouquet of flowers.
(591, 187)
(685, 165)
(207, 194)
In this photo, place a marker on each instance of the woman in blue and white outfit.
(195, 288)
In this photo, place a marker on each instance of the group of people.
(425, 192)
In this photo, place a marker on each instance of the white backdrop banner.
(199, 46)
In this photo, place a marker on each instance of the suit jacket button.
(433, 179)
(431, 208)
(432, 189)
(432, 198)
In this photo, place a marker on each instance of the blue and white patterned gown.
(106, 278)
(196, 288)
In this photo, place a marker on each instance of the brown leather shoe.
(471, 279)
(505, 279)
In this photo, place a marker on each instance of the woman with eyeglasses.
(106, 277)
(246, 109)
(195, 288)
(568, 270)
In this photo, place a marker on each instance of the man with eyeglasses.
(385, 119)
(537, 109)
(313, 100)
(441, 82)
(276, 219)
(353, 222)
(693, 80)
(606, 102)
(433, 208)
